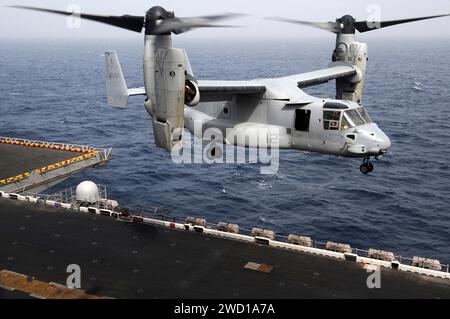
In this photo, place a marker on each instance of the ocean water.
(55, 90)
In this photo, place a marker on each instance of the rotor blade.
(365, 26)
(334, 27)
(180, 25)
(212, 18)
(132, 23)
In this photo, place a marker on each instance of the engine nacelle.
(191, 91)
(352, 89)
(168, 111)
(350, 51)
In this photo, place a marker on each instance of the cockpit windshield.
(354, 117)
(334, 120)
(362, 111)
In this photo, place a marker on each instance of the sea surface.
(55, 90)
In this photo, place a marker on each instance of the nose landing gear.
(367, 167)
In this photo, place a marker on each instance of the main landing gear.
(367, 166)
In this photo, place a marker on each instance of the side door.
(326, 135)
(301, 129)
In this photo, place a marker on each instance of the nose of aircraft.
(376, 141)
(384, 141)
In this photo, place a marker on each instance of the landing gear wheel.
(367, 167)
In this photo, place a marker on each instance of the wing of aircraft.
(225, 90)
(218, 90)
(334, 71)
(211, 91)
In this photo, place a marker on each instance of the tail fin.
(116, 87)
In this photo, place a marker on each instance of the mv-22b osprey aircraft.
(176, 99)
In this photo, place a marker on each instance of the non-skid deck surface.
(125, 260)
(15, 159)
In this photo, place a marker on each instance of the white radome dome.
(87, 192)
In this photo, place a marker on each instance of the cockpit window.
(354, 117)
(362, 111)
(345, 125)
(331, 120)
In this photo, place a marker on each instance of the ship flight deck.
(124, 254)
(27, 165)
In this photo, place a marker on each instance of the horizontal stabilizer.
(136, 91)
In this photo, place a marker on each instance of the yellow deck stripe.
(48, 168)
(41, 289)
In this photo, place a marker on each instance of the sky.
(21, 24)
